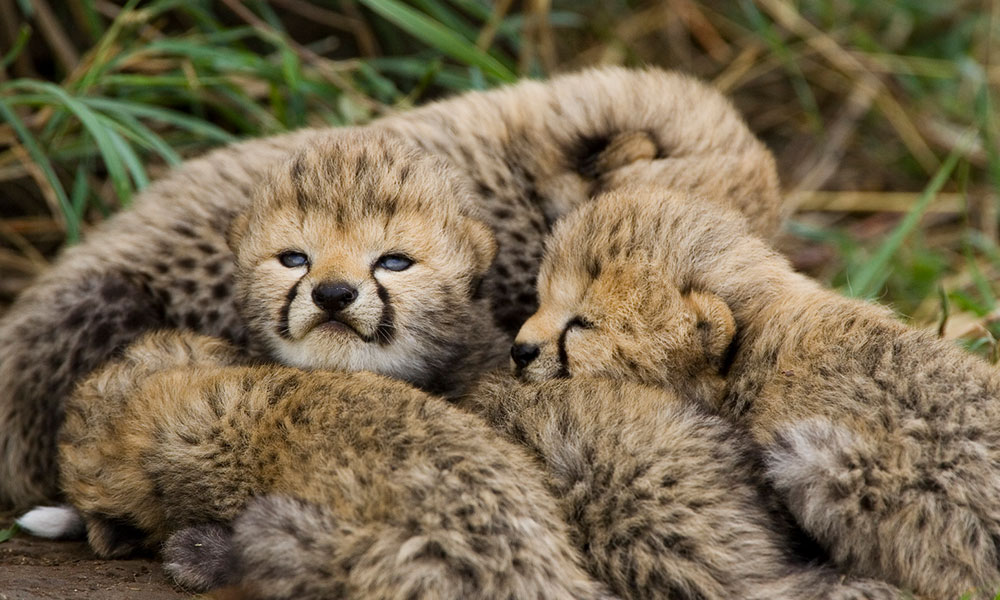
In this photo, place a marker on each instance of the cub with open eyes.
(363, 253)
(883, 441)
(528, 153)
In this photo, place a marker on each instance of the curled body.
(527, 154)
(336, 484)
(883, 441)
(664, 499)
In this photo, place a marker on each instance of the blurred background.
(881, 113)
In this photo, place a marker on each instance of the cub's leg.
(281, 547)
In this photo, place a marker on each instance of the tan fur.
(665, 500)
(340, 484)
(344, 202)
(884, 441)
(529, 153)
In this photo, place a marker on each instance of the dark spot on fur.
(205, 248)
(220, 290)
(187, 263)
(213, 268)
(113, 290)
(185, 230)
(188, 286)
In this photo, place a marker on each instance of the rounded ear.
(624, 149)
(715, 323)
(483, 243)
(237, 229)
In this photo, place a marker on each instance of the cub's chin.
(336, 346)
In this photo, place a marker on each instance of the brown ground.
(31, 568)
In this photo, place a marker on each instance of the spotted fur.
(529, 153)
(337, 484)
(883, 441)
(664, 499)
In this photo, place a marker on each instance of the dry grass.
(881, 114)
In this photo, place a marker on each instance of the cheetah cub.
(883, 440)
(341, 484)
(664, 499)
(528, 153)
(361, 253)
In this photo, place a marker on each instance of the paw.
(200, 557)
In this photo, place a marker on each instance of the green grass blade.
(23, 35)
(7, 534)
(80, 191)
(163, 115)
(133, 129)
(447, 17)
(129, 157)
(431, 32)
(873, 275)
(36, 153)
(102, 136)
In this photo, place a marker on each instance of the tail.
(53, 522)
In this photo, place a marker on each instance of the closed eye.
(394, 262)
(580, 323)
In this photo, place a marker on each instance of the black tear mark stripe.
(580, 322)
(563, 358)
(385, 331)
(283, 319)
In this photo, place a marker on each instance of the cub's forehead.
(599, 236)
(355, 175)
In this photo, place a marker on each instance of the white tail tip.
(53, 522)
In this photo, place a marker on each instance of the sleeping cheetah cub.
(883, 441)
(528, 154)
(345, 484)
(663, 499)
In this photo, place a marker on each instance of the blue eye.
(292, 259)
(394, 262)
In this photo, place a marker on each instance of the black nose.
(523, 354)
(334, 296)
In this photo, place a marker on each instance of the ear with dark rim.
(237, 229)
(715, 324)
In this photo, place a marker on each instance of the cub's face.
(361, 254)
(611, 306)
